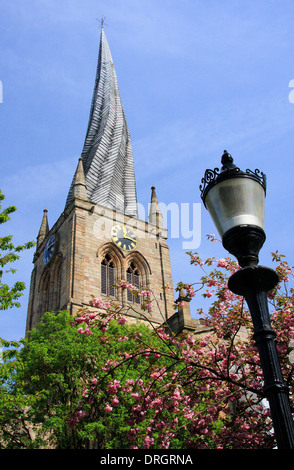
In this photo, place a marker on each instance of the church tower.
(99, 239)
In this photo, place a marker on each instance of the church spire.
(107, 154)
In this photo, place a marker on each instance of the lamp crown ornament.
(227, 161)
(228, 169)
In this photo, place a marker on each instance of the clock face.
(123, 237)
(49, 249)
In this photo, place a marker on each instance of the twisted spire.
(107, 154)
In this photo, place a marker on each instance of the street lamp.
(235, 201)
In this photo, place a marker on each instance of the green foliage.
(9, 254)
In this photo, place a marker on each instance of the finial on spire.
(153, 194)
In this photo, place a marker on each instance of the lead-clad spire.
(107, 155)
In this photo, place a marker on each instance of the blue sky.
(195, 77)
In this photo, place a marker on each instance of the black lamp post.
(235, 201)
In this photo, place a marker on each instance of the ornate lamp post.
(235, 201)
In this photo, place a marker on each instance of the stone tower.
(99, 239)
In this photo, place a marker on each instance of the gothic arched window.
(45, 293)
(133, 277)
(50, 287)
(108, 276)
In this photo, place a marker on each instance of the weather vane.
(101, 21)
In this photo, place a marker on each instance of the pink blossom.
(99, 303)
(115, 401)
(148, 442)
(79, 319)
(132, 434)
(113, 387)
(92, 315)
(130, 381)
(222, 263)
(212, 238)
(122, 339)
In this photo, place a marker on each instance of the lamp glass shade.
(236, 201)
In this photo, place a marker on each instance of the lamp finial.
(227, 161)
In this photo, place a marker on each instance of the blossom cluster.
(145, 294)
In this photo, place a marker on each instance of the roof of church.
(107, 155)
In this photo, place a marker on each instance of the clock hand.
(129, 238)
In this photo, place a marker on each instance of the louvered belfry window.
(133, 277)
(108, 276)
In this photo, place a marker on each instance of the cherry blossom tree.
(209, 392)
(134, 386)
